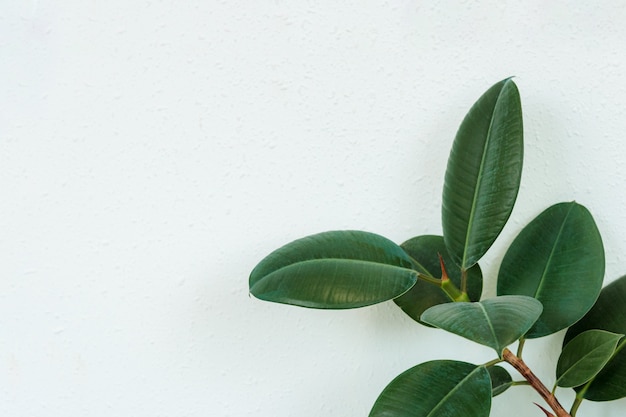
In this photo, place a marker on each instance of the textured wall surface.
(154, 151)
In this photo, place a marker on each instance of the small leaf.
(608, 314)
(496, 322)
(584, 356)
(483, 173)
(437, 389)
(558, 259)
(500, 379)
(340, 269)
(423, 295)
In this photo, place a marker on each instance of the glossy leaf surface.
(558, 259)
(424, 250)
(437, 389)
(608, 314)
(584, 356)
(496, 322)
(339, 269)
(483, 173)
(500, 379)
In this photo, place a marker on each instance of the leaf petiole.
(520, 347)
(492, 362)
(429, 279)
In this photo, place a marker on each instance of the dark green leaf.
(584, 356)
(340, 269)
(496, 322)
(424, 250)
(558, 259)
(609, 313)
(500, 379)
(437, 389)
(483, 174)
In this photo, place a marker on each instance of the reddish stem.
(525, 371)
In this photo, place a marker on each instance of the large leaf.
(584, 356)
(483, 174)
(496, 322)
(339, 269)
(437, 389)
(425, 250)
(558, 259)
(609, 313)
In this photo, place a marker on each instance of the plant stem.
(448, 286)
(575, 406)
(463, 280)
(453, 292)
(580, 395)
(538, 386)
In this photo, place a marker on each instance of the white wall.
(154, 151)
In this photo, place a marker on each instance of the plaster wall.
(152, 152)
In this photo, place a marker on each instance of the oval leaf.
(558, 259)
(339, 269)
(496, 322)
(584, 356)
(483, 173)
(608, 314)
(437, 389)
(500, 379)
(424, 250)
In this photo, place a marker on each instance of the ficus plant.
(550, 279)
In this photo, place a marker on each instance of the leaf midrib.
(552, 251)
(360, 261)
(479, 179)
(493, 331)
(452, 391)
